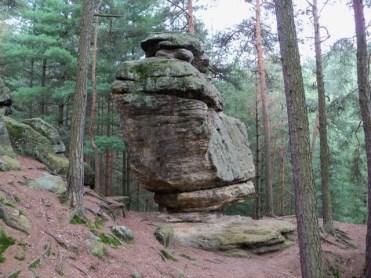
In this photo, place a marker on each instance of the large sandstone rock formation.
(8, 158)
(182, 146)
(33, 137)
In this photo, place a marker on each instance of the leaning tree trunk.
(266, 124)
(365, 107)
(308, 230)
(328, 225)
(75, 175)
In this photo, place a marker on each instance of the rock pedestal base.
(235, 235)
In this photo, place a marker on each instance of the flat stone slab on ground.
(229, 233)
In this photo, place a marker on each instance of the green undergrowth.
(5, 242)
(110, 239)
(95, 225)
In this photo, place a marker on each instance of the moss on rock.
(8, 163)
(28, 141)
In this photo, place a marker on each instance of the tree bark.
(109, 154)
(257, 156)
(282, 181)
(43, 85)
(365, 107)
(93, 110)
(191, 25)
(307, 222)
(75, 175)
(266, 123)
(328, 225)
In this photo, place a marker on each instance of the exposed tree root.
(338, 238)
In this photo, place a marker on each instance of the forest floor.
(68, 254)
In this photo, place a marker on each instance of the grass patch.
(109, 239)
(5, 242)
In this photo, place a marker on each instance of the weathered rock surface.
(166, 77)
(49, 132)
(182, 146)
(8, 158)
(123, 233)
(11, 215)
(178, 46)
(29, 141)
(209, 199)
(5, 99)
(48, 182)
(230, 233)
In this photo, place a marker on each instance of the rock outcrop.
(8, 158)
(234, 235)
(182, 146)
(38, 139)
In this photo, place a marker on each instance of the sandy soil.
(50, 225)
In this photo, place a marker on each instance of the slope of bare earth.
(60, 248)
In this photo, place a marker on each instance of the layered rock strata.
(182, 146)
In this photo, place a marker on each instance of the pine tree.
(365, 107)
(75, 175)
(307, 223)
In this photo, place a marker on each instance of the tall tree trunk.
(75, 175)
(328, 225)
(257, 156)
(307, 222)
(93, 110)
(191, 25)
(365, 107)
(32, 73)
(266, 123)
(43, 85)
(282, 181)
(315, 132)
(108, 155)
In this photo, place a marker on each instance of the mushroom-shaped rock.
(182, 146)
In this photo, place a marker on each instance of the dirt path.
(50, 223)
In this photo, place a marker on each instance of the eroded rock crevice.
(182, 146)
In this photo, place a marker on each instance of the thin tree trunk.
(266, 123)
(93, 110)
(32, 73)
(257, 156)
(75, 175)
(108, 155)
(365, 107)
(328, 225)
(191, 25)
(315, 132)
(123, 175)
(307, 222)
(282, 180)
(43, 85)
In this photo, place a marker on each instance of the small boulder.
(15, 219)
(48, 182)
(95, 246)
(123, 233)
(165, 235)
(8, 163)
